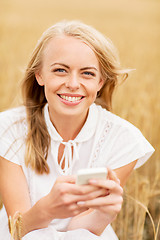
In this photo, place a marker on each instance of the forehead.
(66, 47)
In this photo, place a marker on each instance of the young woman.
(60, 129)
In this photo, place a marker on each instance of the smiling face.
(70, 74)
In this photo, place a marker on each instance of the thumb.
(66, 179)
(113, 176)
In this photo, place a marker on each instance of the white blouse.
(104, 140)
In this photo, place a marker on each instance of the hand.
(107, 205)
(62, 200)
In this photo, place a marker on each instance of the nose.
(72, 82)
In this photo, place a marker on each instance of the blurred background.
(134, 28)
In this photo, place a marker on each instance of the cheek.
(51, 85)
(93, 88)
(49, 89)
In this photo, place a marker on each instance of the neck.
(68, 127)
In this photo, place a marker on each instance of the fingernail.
(80, 203)
(93, 181)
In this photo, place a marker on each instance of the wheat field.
(134, 27)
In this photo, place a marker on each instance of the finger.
(75, 206)
(112, 176)
(78, 189)
(67, 179)
(93, 195)
(110, 209)
(102, 201)
(70, 198)
(107, 184)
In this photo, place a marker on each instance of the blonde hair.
(38, 139)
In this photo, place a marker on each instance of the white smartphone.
(84, 175)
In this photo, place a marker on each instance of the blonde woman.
(60, 129)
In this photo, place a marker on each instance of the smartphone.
(84, 175)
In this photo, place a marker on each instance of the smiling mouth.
(69, 98)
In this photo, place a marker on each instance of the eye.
(60, 70)
(88, 73)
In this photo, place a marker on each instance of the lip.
(71, 95)
(69, 103)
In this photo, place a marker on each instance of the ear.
(39, 79)
(100, 84)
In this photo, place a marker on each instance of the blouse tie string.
(69, 157)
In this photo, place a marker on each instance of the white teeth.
(70, 99)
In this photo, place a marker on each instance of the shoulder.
(122, 143)
(14, 113)
(12, 118)
(116, 123)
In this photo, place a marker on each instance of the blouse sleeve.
(126, 145)
(51, 234)
(10, 139)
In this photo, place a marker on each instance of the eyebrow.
(62, 64)
(85, 68)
